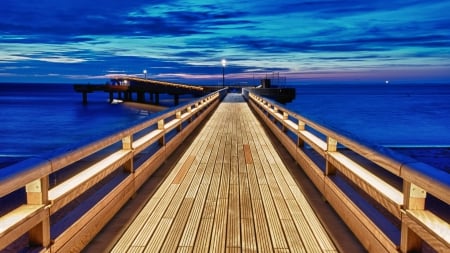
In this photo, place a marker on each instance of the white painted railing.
(388, 201)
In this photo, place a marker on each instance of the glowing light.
(224, 63)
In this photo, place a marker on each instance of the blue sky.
(315, 41)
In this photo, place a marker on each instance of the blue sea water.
(387, 115)
(38, 118)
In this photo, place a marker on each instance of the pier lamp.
(224, 63)
(145, 73)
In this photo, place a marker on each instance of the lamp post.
(224, 63)
(145, 73)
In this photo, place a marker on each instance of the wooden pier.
(229, 192)
(123, 88)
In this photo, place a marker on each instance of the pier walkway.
(231, 192)
(227, 186)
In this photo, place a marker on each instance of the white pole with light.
(145, 74)
(224, 63)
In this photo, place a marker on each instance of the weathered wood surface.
(229, 192)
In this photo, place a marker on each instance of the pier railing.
(391, 203)
(68, 197)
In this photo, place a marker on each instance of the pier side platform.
(230, 191)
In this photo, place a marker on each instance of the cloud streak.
(185, 40)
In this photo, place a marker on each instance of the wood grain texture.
(235, 196)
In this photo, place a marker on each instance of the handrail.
(152, 81)
(94, 162)
(358, 181)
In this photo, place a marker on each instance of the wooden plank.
(253, 182)
(278, 197)
(245, 197)
(364, 229)
(184, 249)
(248, 154)
(382, 192)
(293, 238)
(79, 234)
(192, 225)
(146, 140)
(143, 231)
(224, 181)
(73, 187)
(135, 227)
(156, 241)
(19, 221)
(261, 227)
(172, 124)
(203, 239)
(315, 142)
(249, 243)
(184, 169)
(219, 226)
(427, 225)
(275, 229)
(233, 221)
(172, 237)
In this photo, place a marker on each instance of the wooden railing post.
(414, 199)
(267, 108)
(414, 196)
(178, 116)
(196, 106)
(127, 144)
(189, 111)
(285, 117)
(301, 127)
(162, 141)
(330, 169)
(37, 194)
(275, 110)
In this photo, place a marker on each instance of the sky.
(298, 42)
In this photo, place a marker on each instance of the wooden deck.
(229, 192)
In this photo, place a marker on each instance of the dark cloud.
(93, 38)
(68, 18)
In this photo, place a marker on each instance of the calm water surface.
(38, 118)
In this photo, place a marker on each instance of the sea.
(40, 118)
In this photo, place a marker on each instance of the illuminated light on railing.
(176, 85)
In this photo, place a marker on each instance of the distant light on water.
(387, 81)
